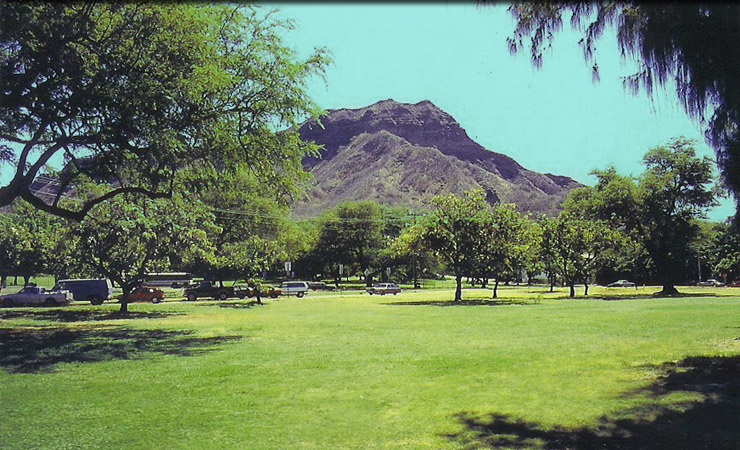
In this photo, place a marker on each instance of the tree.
(694, 44)
(124, 239)
(12, 245)
(659, 211)
(507, 244)
(675, 189)
(548, 251)
(575, 247)
(249, 223)
(616, 201)
(526, 257)
(351, 233)
(28, 238)
(707, 248)
(455, 230)
(408, 250)
(726, 251)
(131, 93)
(41, 232)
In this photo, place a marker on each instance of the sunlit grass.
(345, 370)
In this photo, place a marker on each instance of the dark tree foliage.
(352, 234)
(694, 45)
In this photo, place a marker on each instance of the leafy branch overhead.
(693, 46)
(129, 94)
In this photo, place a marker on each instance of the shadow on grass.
(469, 302)
(708, 424)
(235, 305)
(80, 315)
(657, 295)
(37, 350)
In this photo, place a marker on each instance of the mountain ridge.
(404, 154)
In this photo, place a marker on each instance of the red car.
(735, 283)
(144, 294)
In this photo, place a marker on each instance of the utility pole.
(698, 263)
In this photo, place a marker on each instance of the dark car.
(319, 286)
(208, 289)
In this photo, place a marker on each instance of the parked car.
(93, 290)
(319, 286)
(211, 290)
(297, 288)
(735, 283)
(144, 294)
(273, 292)
(384, 288)
(621, 283)
(34, 295)
(710, 282)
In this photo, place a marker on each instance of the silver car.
(297, 288)
(621, 283)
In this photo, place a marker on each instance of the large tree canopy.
(130, 93)
(660, 210)
(694, 45)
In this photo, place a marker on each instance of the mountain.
(403, 154)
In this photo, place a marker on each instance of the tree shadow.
(617, 297)
(657, 295)
(81, 315)
(37, 350)
(235, 305)
(469, 302)
(708, 424)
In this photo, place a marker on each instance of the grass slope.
(353, 371)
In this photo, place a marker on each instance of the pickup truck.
(207, 289)
(34, 295)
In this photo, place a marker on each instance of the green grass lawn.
(619, 370)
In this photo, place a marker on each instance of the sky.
(553, 120)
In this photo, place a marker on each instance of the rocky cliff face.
(404, 154)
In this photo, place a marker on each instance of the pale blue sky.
(550, 120)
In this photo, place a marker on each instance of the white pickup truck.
(34, 295)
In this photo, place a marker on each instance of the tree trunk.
(124, 298)
(458, 287)
(668, 289)
(258, 294)
(495, 289)
(26, 280)
(572, 289)
(585, 289)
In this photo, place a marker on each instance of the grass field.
(619, 370)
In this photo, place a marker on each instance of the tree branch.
(79, 215)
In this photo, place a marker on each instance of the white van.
(297, 288)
